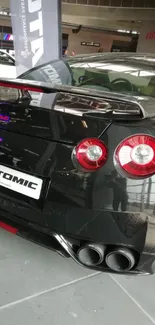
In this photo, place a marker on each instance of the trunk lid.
(37, 134)
(63, 113)
(58, 117)
(34, 130)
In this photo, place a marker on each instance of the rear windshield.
(117, 76)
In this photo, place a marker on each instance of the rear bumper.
(134, 231)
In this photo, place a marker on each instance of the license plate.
(20, 182)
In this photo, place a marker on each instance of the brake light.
(136, 156)
(23, 86)
(91, 154)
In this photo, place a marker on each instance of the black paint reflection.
(119, 186)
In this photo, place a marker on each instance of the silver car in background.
(7, 65)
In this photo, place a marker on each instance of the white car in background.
(7, 65)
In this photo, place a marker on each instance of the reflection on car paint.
(4, 118)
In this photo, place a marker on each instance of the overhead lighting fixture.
(127, 31)
(124, 31)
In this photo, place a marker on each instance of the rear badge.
(22, 183)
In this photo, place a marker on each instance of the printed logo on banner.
(33, 10)
(37, 44)
(37, 33)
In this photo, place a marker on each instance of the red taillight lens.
(91, 154)
(16, 85)
(136, 156)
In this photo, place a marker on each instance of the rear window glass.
(119, 76)
(57, 72)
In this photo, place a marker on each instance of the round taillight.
(136, 156)
(91, 154)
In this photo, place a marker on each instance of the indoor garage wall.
(105, 40)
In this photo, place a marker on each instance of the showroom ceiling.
(109, 3)
(115, 3)
(97, 15)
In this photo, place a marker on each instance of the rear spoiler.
(111, 105)
(26, 85)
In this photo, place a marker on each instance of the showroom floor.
(38, 287)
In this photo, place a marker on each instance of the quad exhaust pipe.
(91, 254)
(120, 259)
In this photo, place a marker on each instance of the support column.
(146, 43)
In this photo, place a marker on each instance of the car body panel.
(52, 123)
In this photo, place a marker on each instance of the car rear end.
(80, 170)
(115, 224)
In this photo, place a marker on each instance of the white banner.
(37, 32)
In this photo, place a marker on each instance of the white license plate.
(20, 182)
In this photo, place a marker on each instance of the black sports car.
(77, 159)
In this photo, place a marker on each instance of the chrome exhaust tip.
(120, 259)
(91, 254)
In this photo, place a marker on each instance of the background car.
(7, 65)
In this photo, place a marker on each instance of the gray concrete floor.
(37, 287)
